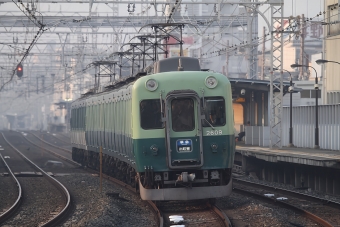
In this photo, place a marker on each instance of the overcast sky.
(292, 7)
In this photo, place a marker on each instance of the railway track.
(53, 140)
(192, 213)
(66, 155)
(62, 137)
(12, 183)
(165, 218)
(210, 213)
(42, 200)
(188, 215)
(320, 211)
(55, 149)
(159, 217)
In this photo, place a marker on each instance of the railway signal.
(20, 70)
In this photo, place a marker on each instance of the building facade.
(331, 71)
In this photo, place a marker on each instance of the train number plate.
(213, 132)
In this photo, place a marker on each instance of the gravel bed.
(37, 155)
(292, 188)
(113, 207)
(52, 139)
(247, 211)
(41, 201)
(8, 192)
(8, 189)
(64, 137)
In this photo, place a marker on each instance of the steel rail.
(9, 212)
(305, 213)
(49, 143)
(152, 205)
(59, 139)
(160, 220)
(62, 214)
(291, 193)
(188, 209)
(214, 208)
(218, 211)
(225, 220)
(52, 152)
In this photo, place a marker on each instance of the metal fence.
(303, 122)
(257, 135)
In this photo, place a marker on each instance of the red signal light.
(20, 70)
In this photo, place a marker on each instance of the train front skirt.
(185, 193)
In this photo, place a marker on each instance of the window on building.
(194, 53)
(305, 94)
(333, 20)
(313, 94)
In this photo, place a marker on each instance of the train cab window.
(214, 110)
(182, 115)
(150, 111)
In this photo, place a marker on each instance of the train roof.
(177, 64)
(164, 65)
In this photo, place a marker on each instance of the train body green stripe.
(220, 158)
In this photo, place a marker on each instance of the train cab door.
(183, 130)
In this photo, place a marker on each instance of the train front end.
(183, 135)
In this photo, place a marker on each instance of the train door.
(183, 130)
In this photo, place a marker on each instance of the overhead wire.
(225, 49)
(39, 24)
(290, 26)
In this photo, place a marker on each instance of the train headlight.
(151, 85)
(211, 82)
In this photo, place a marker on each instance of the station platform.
(315, 169)
(304, 156)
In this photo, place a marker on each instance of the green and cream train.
(169, 133)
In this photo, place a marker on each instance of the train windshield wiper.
(209, 124)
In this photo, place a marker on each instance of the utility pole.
(43, 83)
(302, 45)
(53, 75)
(276, 61)
(65, 81)
(37, 85)
(226, 60)
(63, 42)
(252, 32)
(263, 52)
(28, 80)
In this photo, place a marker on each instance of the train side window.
(214, 110)
(150, 111)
